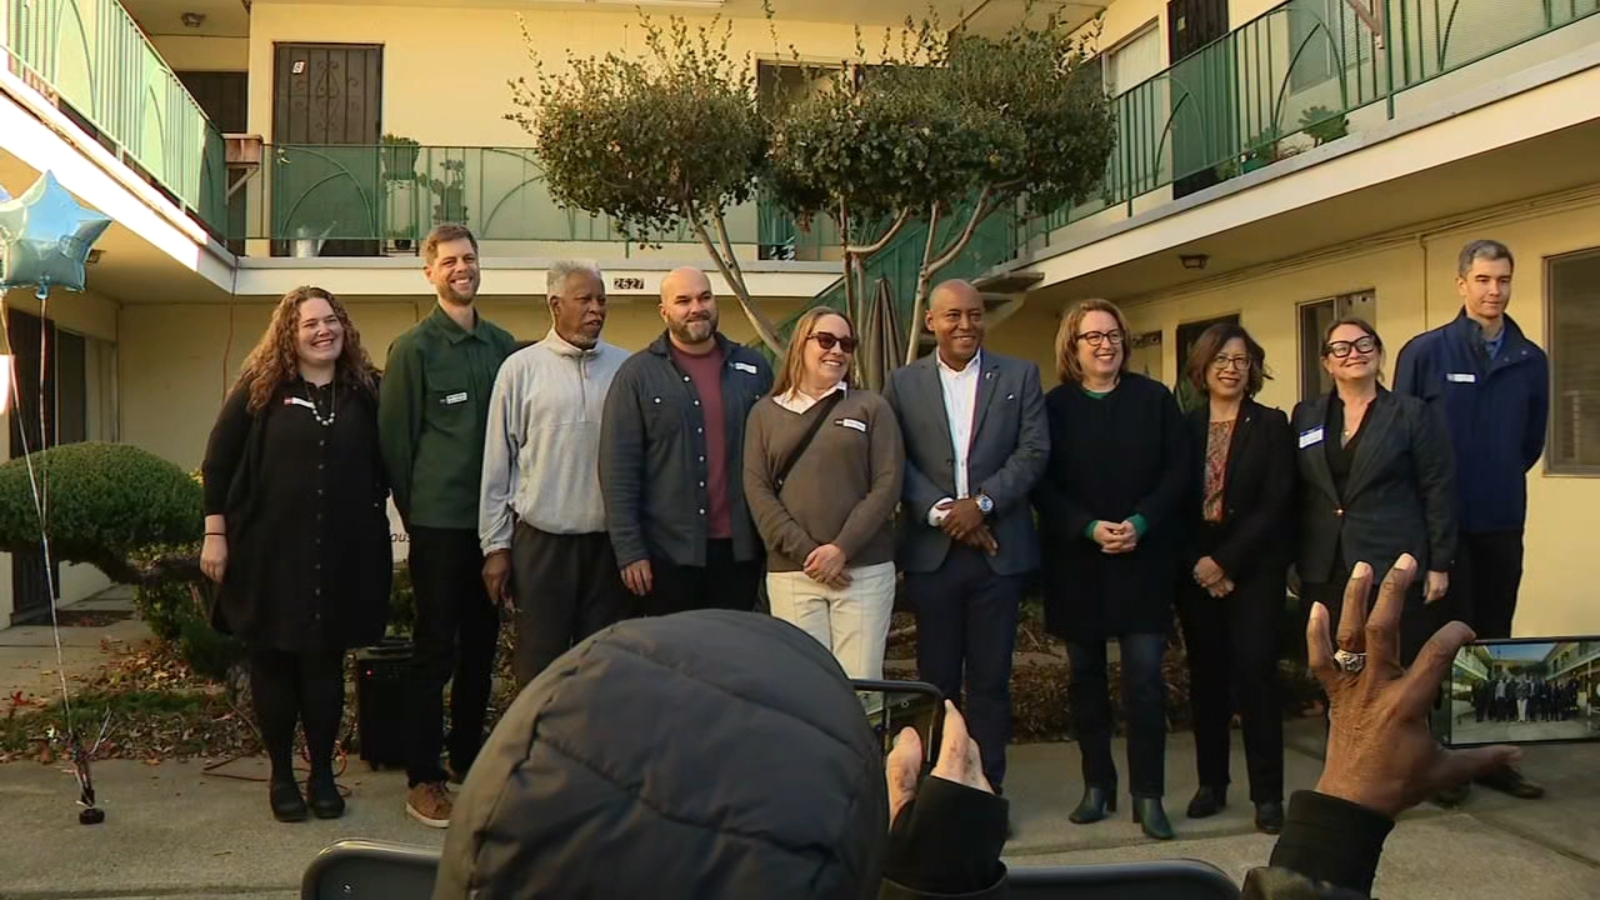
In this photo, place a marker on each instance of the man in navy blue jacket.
(1492, 385)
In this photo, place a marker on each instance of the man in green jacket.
(432, 413)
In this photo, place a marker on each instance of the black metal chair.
(358, 870)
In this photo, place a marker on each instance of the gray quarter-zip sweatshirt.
(542, 449)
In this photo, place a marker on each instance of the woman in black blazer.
(1376, 480)
(1112, 532)
(1242, 482)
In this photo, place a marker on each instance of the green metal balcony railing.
(309, 196)
(100, 68)
(1302, 73)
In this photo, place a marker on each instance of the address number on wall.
(627, 284)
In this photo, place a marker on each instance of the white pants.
(852, 623)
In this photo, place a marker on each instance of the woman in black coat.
(1376, 481)
(297, 536)
(1242, 483)
(1112, 532)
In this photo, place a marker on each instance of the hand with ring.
(1380, 752)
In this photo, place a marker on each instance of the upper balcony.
(1304, 74)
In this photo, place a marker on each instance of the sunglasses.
(827, 341)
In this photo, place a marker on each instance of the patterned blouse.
(1219, 437)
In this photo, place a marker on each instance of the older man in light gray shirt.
(542, 518)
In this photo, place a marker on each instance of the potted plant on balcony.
(450, 192)
(1263, 152)
(1324, 125)
(399, 158)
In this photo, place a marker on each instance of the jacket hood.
(711, 754)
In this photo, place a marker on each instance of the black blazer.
(1257, 493)
(1400, 497)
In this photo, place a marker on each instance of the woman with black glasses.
(1110, 516)
(1376, 481)
(1242, 482)
(823, 464)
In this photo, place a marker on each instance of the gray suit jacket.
(1010, 446)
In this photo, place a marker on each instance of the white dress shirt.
(799, 403)
(960, 389)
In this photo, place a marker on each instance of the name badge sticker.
(857, 424)
(745, 367)
(1311, 438)
(453, 399)
(1462, 377)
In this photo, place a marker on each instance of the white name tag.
(1310, 438)
(453, 399)
(1462, 378)
(745, 367)
(857, 424)
(299, 401)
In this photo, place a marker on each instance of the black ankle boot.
(1207, 802)
(1152, 818)
(1269, 817)
(287, 804)
(1096, 802)
(322, 793)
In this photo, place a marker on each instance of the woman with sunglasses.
(1110, 516)
(1242, 481)
(822, 470)
(1376, 481)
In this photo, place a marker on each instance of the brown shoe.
(430, 804)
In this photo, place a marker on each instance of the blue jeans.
(1144, 706)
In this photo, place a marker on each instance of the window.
(1574, 304)
(1315, 317)
(1133, 60)
(1330, 32)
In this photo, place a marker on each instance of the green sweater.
(432, 413)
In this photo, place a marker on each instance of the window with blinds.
(1573, 300)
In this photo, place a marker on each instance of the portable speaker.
(383, 679)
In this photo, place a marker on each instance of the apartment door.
(326, 124)
(224, 98)
(1202, 92)
(30, 593)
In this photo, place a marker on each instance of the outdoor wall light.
(193, 19)
(1194, 260)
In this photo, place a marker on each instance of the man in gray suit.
(976, 443)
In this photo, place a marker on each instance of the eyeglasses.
(1236, 363)
(827, 341)
(1096, 338)
(1342, 349)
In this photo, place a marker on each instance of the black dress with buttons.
(301, 486)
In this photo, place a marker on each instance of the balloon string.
(39, 510)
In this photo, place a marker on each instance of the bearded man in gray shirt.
(542, 519)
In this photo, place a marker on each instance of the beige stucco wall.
(199, 53)
(1414, 282)
(452, 104)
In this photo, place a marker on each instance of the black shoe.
(287, 804)
(1207, 802)
(1510, 781)
(1096, 802)
(1452, 797)
(1269, 817)
(1152, 818)
(322, 793)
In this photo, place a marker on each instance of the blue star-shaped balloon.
(45, 237)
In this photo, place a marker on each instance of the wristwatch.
(985, 504)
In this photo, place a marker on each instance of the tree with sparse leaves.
(954, 124)
(671, 139)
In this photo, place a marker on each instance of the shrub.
(162, 607)
(106, 501)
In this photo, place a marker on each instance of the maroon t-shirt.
(706, 373)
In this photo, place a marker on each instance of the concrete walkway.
(174, 832)
(28, 655)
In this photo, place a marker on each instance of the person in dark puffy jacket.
(719, 754)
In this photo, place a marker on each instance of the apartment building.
(1280, 164)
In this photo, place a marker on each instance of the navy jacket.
(1497, 411)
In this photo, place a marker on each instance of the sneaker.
(430, 804)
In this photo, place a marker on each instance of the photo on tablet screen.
(1525, 691)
